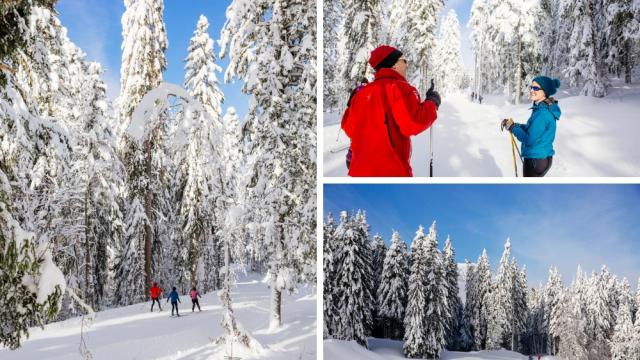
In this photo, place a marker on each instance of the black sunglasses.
(535, 88)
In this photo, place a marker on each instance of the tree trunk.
(87, 252)
(148, 211)
(276, 302)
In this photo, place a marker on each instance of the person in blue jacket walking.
(175, 299)
(538, 134)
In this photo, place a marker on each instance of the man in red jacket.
(155, 295)
(382, 116)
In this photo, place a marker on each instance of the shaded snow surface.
(390, 349)
(133, 332)
(595, 137)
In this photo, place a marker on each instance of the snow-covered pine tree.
(205, 181)
(130, 287)
(421, 29)
(360, 34)
(415, 340)
(392, 292)
(572, 320)
(623, 345)
(453, 299)
(471, 303)
(378, 252)
(427, 313)
(483, 293)
(477, 23)
(501, 319)
(548, 28)
(600, 314)
(353, 281)
(280, 131)
(553, 297)
(623, 36)
(31, 285)
(447, 63)
(393, 31)
(200, 71)
(332, 20)
(588, 48)
(143, 46)
(330, 251)
(520, 306)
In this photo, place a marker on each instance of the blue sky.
(94, 25)
(561, 225)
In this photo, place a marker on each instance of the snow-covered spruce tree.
(477, 23)
(392, 292)
(623, 342)
(13, 30)
(329, 253)
(394, 25)
(572, 320)
(428, 324)
(31, 285)
(130, 287)
(360, 34)
(501, 320)
(520, 306)
(453, 299)
(623, 36)
(471, 303)
(378, 251)
(548, 27)
(483, 292)
(447, 60)
(205, 181)
(101, 174)
(600, 312)
(588, 48)
(143, 45)
(353, 281)
(421, 29)
(553, 297)
(415, 340)
(332, 20)
(279, 133)
(436, 296)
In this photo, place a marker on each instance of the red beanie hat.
(384, 56)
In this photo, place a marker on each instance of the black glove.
(507, 124)
(433, 95)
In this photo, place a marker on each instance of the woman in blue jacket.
(538, 134)
(175, 299)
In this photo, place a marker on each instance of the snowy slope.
(390, 349)
(133, 332)
(595, 137)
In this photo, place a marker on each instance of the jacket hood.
(553, 108)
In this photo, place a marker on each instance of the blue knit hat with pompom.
(549, 85)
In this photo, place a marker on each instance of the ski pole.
(431, 140)
(513, 153)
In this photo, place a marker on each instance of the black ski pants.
(174, 305)
(153, 302)
(195, 302)
(536, 167)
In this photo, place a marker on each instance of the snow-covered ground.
(133, 332)
(595, 137)
(390, 349)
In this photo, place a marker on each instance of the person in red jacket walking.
(383, 115)
(155, 292)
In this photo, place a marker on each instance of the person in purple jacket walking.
(194, 299)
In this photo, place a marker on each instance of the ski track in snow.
(595, 137)
(133, 332)
(391, 349)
